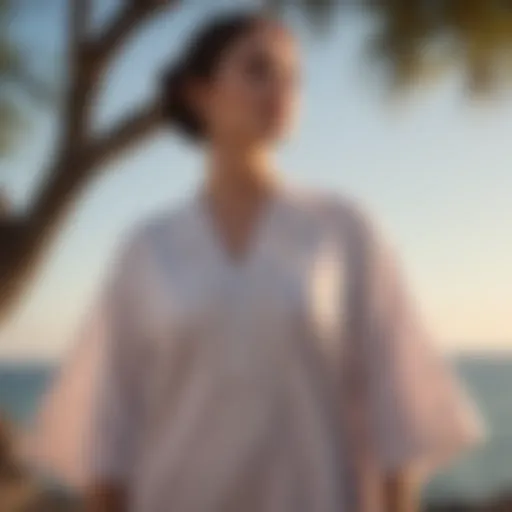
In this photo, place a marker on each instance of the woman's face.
(253, 94)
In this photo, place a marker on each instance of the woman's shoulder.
(335, 207)
(162, 226)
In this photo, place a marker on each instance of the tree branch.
(80, 11)
(90, 56)
(71, 173)
(14, 232)
(5, 204)
(80, 80)
(121, 27)
(124, 134)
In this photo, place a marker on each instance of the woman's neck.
(240, 176)
(238, 187)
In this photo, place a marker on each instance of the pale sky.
(433, 168)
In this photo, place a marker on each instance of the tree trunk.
(24, 239)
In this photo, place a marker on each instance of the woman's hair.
(199, 62)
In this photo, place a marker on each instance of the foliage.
(421, 38)
(17, 82)
(418, 36)
(10, 120)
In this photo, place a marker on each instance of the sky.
(432, 167)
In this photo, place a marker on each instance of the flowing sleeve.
(87, 428)
(418, 413)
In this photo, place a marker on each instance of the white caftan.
(266, 385)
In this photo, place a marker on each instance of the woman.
(255, 349)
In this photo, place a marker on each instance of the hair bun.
(176, 110)
(172, 93)
(202, 57)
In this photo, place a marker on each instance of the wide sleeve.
(88, 426)
(417, 412)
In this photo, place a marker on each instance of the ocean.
(480, 475)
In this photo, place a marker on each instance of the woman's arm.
(119, 403)
(401, 493)
(105, 498)
(415, 416)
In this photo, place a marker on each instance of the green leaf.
(12, 125)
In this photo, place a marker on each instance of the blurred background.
(408, 107)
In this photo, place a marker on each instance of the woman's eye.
(258, 67)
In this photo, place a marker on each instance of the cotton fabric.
(290, 381)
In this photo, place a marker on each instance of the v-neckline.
(255, 240)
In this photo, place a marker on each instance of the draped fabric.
(289, 381)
